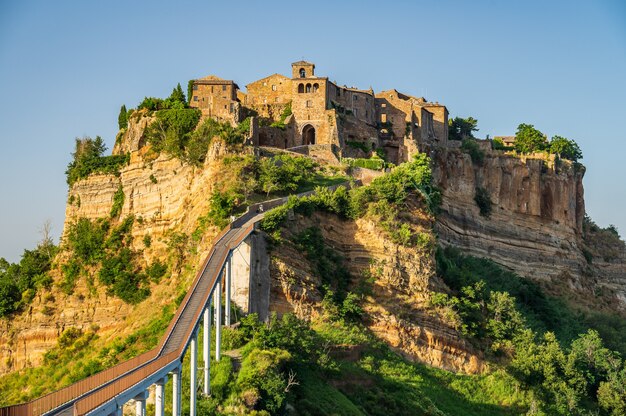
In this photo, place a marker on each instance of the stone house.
(324, 113)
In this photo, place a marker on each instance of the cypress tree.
(122, 119)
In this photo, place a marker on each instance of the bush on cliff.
(88, 159)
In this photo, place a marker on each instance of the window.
(338, 92)
(265, 84)
(195, 87)
(195, 98)
(223, 87)
(383, 118)
(355, 98)
(211, 88)
(308, 87)
(309, 103)
(273, 87)
(315, 87)
(300, 88)
(356, 112)
(365, 113)
(383, 105)
(302, 73)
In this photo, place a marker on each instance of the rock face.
(164, 195)
(535, 227)
(401, 279)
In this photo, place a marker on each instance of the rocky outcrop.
(399, 279)
(163, 195)
(535, 227)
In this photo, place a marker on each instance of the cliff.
(164, 196)
(536, 222)
(397, 281)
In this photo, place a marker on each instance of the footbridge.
(105, 393)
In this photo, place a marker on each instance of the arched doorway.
(308, 135)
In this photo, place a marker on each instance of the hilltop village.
(307, 109)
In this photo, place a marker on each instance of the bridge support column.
(140, 404)
(206, 350)
(217, 296)
(227, 288)
(193, 373)
(176, 385)
(159, 397)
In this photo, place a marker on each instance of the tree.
(190, 90)
(461, 128)
(122, 119)
(178, 95)
(528, 139)
(565, 148)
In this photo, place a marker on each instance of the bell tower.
(302, 69)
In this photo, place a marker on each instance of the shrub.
(171, 130)
(483, 200)
(86, 239)
(118, 202)
(374, 163)
(156, 271)
(88, 159)
(470, 147)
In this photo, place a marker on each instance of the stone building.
(308, 110)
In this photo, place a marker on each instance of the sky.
(66, 67)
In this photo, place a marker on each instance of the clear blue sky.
(67, 67)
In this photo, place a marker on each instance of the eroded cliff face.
(163, 195)
(535, 227)
(400, 281)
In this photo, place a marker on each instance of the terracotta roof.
(211, 78)
(303, 63)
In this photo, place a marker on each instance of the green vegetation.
(528, 140)
(462, 128)
(470, 146)
(181, 140)
(602, 243)
(95, 245)
(383, 199)
(19, 282)
(565, 148)
(374, 163)
(88, 159)
(283, 117)
(498, 144)
(118, 202)
(254, 178)
(483, 200)
(77, 355)
(122, 119)
(172, 130)
(190, 91)
(176, 101)
(551, 350)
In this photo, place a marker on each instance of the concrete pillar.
(227, 287)
(176, 385)
(193, 364)
(206, 353)
(217, 296)
(140, 404)
(159, 397)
